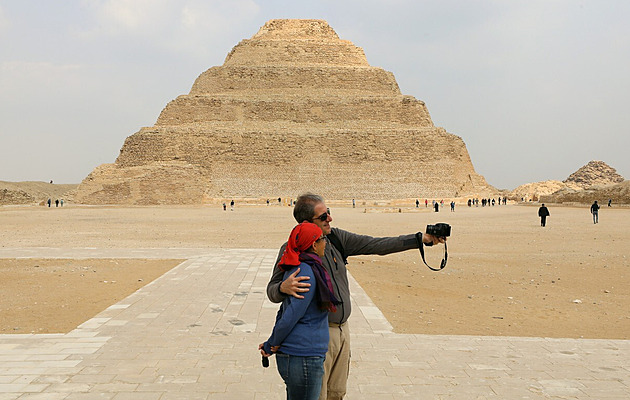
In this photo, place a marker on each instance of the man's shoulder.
(340, 232)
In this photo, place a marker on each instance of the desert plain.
(506, 275)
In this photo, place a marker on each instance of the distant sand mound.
(533, 191)
(16, 193)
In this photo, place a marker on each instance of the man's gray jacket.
(353, 245)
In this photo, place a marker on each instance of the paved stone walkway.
(194, 332)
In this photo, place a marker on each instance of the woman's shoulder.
(305, 269)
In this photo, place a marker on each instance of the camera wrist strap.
(421, 248)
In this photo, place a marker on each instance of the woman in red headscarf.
(300, 336)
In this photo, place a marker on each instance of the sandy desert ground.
(506, 275)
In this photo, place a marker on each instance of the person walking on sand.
(595, 212)
(543, 213)
(300, 336)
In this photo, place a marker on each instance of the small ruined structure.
(595, 173)
(292, 109)
(594, 181)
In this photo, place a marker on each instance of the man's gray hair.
(304, 209)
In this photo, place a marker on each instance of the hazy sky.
(536, 88)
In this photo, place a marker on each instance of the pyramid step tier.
(402, 109)
(367, 80)
(296, 52)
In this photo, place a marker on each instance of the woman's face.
(320, 246)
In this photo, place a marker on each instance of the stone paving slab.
(193, 334)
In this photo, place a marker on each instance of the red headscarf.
(301, 238)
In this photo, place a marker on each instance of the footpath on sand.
(193, 334)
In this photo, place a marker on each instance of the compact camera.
(439, 230)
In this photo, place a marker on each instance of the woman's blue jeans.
(302, 375)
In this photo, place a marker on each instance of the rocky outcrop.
(292, 109)
(595, 173)
(619, 194)
(533, 191)
(594, 181)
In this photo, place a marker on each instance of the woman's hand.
(262, 351)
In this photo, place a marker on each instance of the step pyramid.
(293, 109)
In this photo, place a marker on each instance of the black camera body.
(439, 230)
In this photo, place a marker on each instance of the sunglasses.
(321, 238)
(324, 216)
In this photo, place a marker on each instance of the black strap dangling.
(421, 248)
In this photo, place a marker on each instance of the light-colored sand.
(56, 295)
(506, 275)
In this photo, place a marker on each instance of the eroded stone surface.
(293, 108)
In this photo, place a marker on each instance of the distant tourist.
(426, 203)
(61, 202)
(232, 205)
(267, 201)
(279, 200)
(417, 203)
(609, 202)
(353, 204)
(595, 212)
(49, 201)
(57, 203)
(436, 206)
(543, 213)
(452, 206)
(224, 207)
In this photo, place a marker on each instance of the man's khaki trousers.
(337, 363)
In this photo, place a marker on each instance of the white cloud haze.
(535, 88)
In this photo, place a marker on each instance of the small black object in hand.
(265, 361)
(439, 230)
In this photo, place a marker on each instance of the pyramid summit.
(293, 108)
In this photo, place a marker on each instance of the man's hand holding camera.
(430, 240)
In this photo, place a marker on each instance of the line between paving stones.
(193, 333)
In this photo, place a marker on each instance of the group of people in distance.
(57, 202)
(311, 337)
